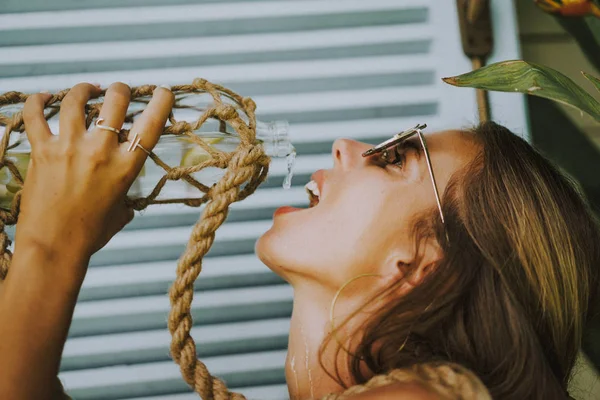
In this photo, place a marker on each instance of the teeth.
(312, 188)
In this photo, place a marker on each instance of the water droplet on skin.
(293, 367)
(291, 161)
(306, 359)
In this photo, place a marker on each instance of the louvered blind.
(332, 68)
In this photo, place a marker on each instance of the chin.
(284, 247)
(261, 248)
(267, 251)
(293, 246)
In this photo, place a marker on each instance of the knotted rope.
(245, 169)
(448, 381)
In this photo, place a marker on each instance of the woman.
(500, 279)
(491, 265)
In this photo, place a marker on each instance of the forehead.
(449, 152)
(455, 141)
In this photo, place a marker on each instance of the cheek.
(352, 218)
(382, 221)
(311, 239)
(327, 244)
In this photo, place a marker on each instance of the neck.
(310, 326)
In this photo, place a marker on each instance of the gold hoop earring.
(410, 329)
(332, 309)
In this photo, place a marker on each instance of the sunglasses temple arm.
(431, 175)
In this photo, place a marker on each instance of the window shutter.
(352, 68)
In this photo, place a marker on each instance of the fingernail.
(166, 87)
(45, 92)
(98, 85)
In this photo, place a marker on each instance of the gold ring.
(135, 143)
(108, 128)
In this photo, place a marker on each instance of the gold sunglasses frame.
(398, 138)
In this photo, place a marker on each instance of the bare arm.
(36, 307)
(73, 202)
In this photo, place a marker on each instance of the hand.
(73, 199)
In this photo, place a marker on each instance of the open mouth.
(313, 193)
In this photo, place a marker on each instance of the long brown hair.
(522, 252)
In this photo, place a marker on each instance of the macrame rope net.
(245, 169)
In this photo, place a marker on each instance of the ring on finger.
(135, 143)
(106, 127)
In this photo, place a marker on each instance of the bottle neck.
(275, 138)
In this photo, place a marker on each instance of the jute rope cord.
(245, 169)
(446, 380)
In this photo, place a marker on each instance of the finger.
(149, 126)
(128, 217)
(72, 110)
(122, 216)
(113, 112)
(36, 126)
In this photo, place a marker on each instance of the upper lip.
(319, 178)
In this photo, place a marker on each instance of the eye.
(396, 155)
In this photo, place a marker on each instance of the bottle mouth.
(277, 134)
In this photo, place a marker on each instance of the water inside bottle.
(291, 161)
(171, 149)
(181, 151)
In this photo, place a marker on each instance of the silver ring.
(135, 143)
(108, 128)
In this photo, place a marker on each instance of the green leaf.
(595, 81)
(534, 79)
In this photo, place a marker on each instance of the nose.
(347, 153)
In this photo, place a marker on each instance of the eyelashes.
(396, 155)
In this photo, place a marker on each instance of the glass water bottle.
(181, 151)
(174, 151)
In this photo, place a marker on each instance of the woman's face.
(363, 221)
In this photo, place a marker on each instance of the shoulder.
(404, 391)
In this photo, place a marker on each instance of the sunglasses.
(396, 140)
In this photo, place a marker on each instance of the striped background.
(332, 68)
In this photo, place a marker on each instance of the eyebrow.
(418, 145)
(420, 151)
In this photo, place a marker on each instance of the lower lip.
(285, 210)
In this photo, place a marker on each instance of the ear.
(418, 265)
